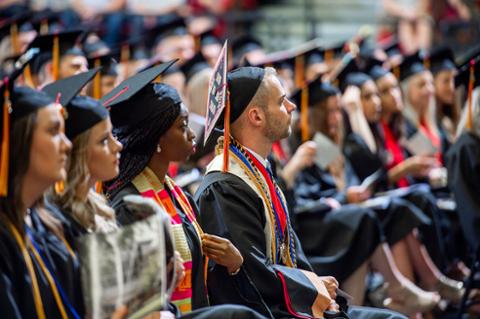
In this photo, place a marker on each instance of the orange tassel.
(124, 58)
(328, 56)
(27, 75)
(226, 136)
(299, 71)
(59, 187)
(304, 114)
(471, 81)
(99, 187)
(56, 57)
(4, 159)
(97, 82)
(198, 43)
(14, 36)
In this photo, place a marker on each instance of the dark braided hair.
(160, 106)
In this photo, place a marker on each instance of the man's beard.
(276, 130)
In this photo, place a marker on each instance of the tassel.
(304, 114)
(97, 82)
(396, 71)
(124, 58)
(198, 43)
(226, 135)
(471, 81)
(14, 36)
(59, 187)
(4, 158)
(44, 27)
(299, 71)
(99, 187)
(56, 57)
(426, 63)
(328, 56)
(27, 75)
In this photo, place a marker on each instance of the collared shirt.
(262, 160)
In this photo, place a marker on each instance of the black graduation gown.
(231, 209)
(16, 294)
(124, 217)
(464, 179)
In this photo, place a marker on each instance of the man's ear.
(256, 116)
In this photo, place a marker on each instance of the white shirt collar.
(258, 157)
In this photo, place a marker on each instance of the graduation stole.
(150, 186)
(283, 246)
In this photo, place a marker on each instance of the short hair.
(261, 96)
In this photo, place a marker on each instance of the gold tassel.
(27, 75)
(226, 135)
(59, 187)
(99, 187)
(4, 159)
(56, 57)
(299, 71)
(304, 114)
(14, 36)
(97, 82)
(471, 81)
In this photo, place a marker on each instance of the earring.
(59, 187)
(159, 149)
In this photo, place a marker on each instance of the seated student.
(149, 147)
(316, 188)
(37, 156)
(246, 205)
(387, 153)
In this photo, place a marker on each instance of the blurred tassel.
(471, 81)
(56, 57)
(27, 75)
(299, 71)
(328, 56)
(97, 82)
(304, 114)
(14, 36)
(226, 135)
(4, 157)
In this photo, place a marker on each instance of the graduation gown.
(124, 217)
(464, 179)
(231, 208)
(16, 294)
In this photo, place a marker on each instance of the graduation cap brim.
(132, 85)
(70, 87)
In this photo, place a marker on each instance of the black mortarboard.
(83, 112)
(376, 69)
(129, 87)
(107, 61)
(174, 26)
(194, 65)
(463, 75)
(411, 65)
(208, 37)
(46, 21)
(69, 87)
(333, 51)
(12, 27)
(341, 80)
(392, 48)
(441, 58)
(244, 44)
(318, 91)
(242, 84)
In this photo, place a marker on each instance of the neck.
(82, 190)
(259, 144)
(32, 190)
(387, 117)
(159, 166)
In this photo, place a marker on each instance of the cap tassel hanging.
(304, 114)
(328, 56)
(56, 57)
(124, 58)
(471, 81)
(226, 134)
(14, 36)
(27, 75)
(97, 82)
(4, 159)
(299, 71)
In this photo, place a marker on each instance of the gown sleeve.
(229, 208)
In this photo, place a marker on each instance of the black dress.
(231, 209)
(16, 294)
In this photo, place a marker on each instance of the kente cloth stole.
(150, 186)
(283, 245)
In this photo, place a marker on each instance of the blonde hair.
(90, 212)
(197, 92)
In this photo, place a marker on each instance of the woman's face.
(178, 143)
(390, 94)
(50, 147)
(334, 116)
(421, 90)
(370, 101)
(103, 152)
(445, 86)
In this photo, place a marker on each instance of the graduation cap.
(46, 21)
(318, 91)
(244, 44)
(107, 63)
(175, 26)
(129, 87)
(209, 38)
(334, 51)
(347, 67)
(376, 69)
(193, 66)
(16, 103)
(54, 46)
(83, 112)
(441, 58)
(392, 48)
(463, 67)
(411, 65)
(12, 27)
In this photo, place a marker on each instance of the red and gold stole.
(150, 186)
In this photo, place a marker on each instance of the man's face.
(72, 65)
(278, 112)
(176, 47)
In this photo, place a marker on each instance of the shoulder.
(122, 213)
(223, 183)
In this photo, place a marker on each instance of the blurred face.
(278, 115)
(107, 83)
(176, 47)
(390, 94)
(50, 147)
(178, 142)
(175, 80)
(315, 70)
(445, 86)
(421, 90)
(72, 65)
(211, 53)
(334, 116)
(103, 152)
(370, 101)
